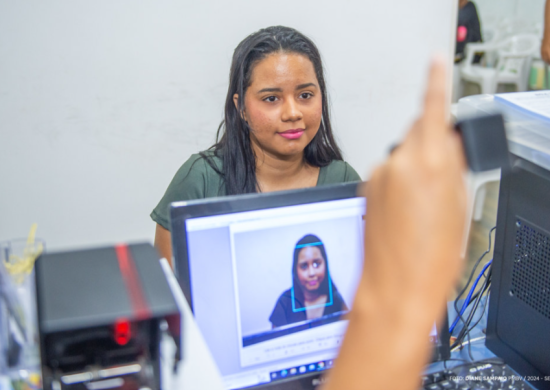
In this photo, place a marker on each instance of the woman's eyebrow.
(301, 86)
(270, 90)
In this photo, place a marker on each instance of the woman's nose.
(291, 111)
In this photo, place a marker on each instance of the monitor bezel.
(180, 212)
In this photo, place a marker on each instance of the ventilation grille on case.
(531, 270)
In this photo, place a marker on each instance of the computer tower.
(518, 327)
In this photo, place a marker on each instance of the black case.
(518, 326)
(81, 296)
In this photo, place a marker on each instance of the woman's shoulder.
(285, 296)
(199, 177)
(338, 301)
(200, 173)
(338, 171)
(203, 156)
(284, 302)
(279, 315)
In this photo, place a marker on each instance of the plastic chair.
(476, 184)
(514, 62)
(514, 26)
(491, 35)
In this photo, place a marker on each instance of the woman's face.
(283, 104)
(311, 268)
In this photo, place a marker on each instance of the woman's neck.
(462, 3)
(311, 296)
(276, 174)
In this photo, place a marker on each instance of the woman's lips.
(292, 133)
(313, 282)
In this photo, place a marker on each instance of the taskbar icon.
(299, 370)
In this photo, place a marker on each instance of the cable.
(474, 268)
(472, 275)
(482, 311)
(475, 298)
(471, 341)
(453, 359)
(465, 330)
(486, 288)
(469, 297)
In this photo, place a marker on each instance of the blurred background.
(498, 47)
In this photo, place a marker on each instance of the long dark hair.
(233, 145)
(326, 283)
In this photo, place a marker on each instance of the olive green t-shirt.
(196, 179)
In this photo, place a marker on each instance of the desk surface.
(198, 370)
(477, 340)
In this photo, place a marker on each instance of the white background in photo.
(264, 265)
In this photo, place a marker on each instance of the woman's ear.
(236, 101)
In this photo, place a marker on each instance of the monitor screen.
(271, 288)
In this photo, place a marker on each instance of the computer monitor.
(519, 309)
(249, 267)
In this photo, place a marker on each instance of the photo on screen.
(292, 278)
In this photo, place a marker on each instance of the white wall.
(530, 10)
(102, 101)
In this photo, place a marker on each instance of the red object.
(461, 33)
(132, 282)
(122, 331)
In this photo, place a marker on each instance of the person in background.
(413, 234)
(545, 47)
(468, 30)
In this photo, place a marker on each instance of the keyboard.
(482, 375)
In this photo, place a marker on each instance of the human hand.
(413, 235)
(416, 210)
(545, 50)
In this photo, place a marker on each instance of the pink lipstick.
(292, 133)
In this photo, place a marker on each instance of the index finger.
(435, 101)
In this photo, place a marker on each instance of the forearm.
(413, 237)
(163, 243)
(398, 335)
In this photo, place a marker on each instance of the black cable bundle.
(476, 299)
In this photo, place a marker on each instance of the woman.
(276, 134)
(313, 294)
